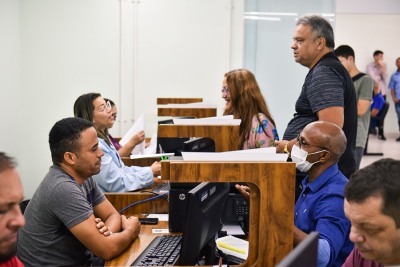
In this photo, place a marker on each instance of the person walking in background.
(11, 218)
(377, 71)
(394, 86)
(364, 86)
(245, 101)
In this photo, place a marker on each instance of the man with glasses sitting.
(320, 205)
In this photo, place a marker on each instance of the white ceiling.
(368, 6)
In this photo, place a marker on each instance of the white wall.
(11, 116)
(129, 51)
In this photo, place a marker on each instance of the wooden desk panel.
(187, 112)
(142, 162)
(271, 209)
(182, 100)
(122, 200)
(272, 201)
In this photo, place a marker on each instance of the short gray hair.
(320, 27)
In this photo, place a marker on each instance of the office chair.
(23, 205)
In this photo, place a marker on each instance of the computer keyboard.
(162, 251)
(161, 188)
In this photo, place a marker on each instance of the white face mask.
(299, 156)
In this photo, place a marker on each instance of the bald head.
(326, 135)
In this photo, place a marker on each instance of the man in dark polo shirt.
(328, 92)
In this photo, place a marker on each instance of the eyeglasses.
(301, 143)
(225, 90)
(106, 107)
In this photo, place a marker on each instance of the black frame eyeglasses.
(225, 90)
(301, 143)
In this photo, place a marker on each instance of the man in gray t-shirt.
(363, 85)
(68, 217)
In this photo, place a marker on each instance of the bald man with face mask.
(320, 205)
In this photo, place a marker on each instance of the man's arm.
(363, 106)
(372, 74)
(106, 247)
(109, 215)
(393, 93)
(332, 114)
(374, 112)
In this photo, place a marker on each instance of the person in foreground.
(125, 150)
(114, 176)
(11, 218)
(316, 152)
(372, 201)
(328, 92)
(245, 101)
(68, 217)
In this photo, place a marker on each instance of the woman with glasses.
(125, 150)
(245, 101)
(114, 176)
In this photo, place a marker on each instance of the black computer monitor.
(171, 144)
(199, 144)
(304, 254)
(202, 220)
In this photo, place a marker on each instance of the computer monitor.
(171, 144)
(199, 144)
(304, 254)
(202, 220)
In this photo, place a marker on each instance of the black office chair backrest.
(23, 205)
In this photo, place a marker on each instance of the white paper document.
(190, 105)
(234, 156)
(136, 127)
(157, 155)
(207, 121)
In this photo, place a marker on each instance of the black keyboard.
(162, 251)
(161, 188)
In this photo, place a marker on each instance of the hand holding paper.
(137, 127)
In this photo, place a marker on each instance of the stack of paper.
(208, 121)
(252, 155)
(189, 105)
(231, 245)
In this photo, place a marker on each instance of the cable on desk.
(142, 201)
(155, 193)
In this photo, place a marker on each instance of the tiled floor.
(390, 148)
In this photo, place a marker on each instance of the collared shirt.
(378, 74)
(394, 83)
(114, 176)
(356, 260)
(320, 208)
